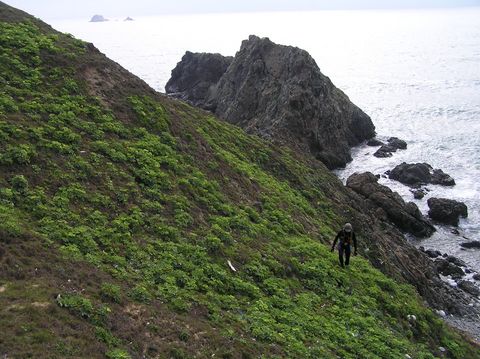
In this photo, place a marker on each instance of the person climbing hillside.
(345, 238)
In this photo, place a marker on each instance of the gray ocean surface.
(415, 72)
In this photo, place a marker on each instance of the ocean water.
(415, 72)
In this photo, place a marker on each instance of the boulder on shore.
(393, 144)
(405, 216)
(418, 193)
(397, 143)
(279, 93)
(417, 174)
(433, 253)
(472, 244)
(447, 268)
(374, 142)
(447, 211)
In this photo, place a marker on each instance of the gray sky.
(58, 9)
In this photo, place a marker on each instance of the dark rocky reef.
(194, 76)
(374, 142)
(417, 174)
(472, 244)
(447, 268)
(279, 93)
(446, 211)
(406, 216)
(386, 150)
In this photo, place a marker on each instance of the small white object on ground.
(231, 266)
(441, 313)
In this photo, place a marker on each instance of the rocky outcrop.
(397, 143)
(448, 268)
(417, 174)
(432, 253)
(279, 93)
(98, 18)
(393, 144)
(446, 211)
(469, 287)
(406, 216)
(418, 193)
(472, 244)
(374, 142)
(194, 76)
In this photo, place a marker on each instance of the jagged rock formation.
(446, 211)
(279, 93)
(417, 174)
(194, 76)
(406, 216)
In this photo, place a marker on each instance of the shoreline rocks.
(417, 174)
(279, 93)
(448, 268)
(405, 216)
(446, 211)
(472, 244)
(469, 287)
(373, 142)
(393, 144)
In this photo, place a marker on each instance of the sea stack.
(98, 18)
(278, 93)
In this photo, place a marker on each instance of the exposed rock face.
(278, 92)
(416, 174)
(406, 216)
(193, 77)
(98, 18)
(448, 268)
(446, 211)
(469, 287)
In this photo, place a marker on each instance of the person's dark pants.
(344, 249)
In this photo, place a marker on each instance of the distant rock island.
(128, 18)
(278, 93)
(98, 18)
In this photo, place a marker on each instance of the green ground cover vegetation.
(115, 234)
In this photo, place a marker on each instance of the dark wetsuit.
(344, 245)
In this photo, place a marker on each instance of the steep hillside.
(133, 225)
